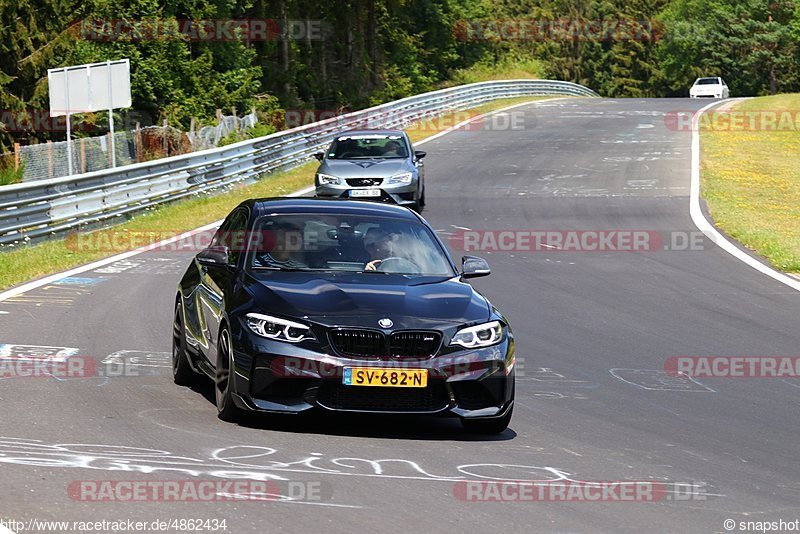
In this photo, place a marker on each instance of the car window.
(347, 243)
(369, 146)
(231, 234)
(707, 81)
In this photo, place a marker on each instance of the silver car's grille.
(364, 182)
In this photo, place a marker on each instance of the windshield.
(369, 146)
(309, 242)
(707, 81)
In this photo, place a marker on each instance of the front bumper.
(401, 194)
(278, 377)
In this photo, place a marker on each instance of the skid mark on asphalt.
(659, 380)
(546, 377)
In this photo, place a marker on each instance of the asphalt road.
(593, 330)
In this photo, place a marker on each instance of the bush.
(8, 174)
(259, 130)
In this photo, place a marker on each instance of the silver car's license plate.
(365, 192)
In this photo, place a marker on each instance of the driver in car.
(392, 149)
(379, 247)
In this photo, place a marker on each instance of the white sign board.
(92, 87)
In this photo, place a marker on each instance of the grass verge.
(25, 262)
(751, 176)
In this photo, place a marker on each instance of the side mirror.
(319, 155)
(216, 256)
(419, 154)
(473, 267)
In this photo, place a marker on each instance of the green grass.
(751, 180)
(25, 262)
(8, 174)
(510, 67)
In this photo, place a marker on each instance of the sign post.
(87, 88)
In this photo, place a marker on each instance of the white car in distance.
(709, 88)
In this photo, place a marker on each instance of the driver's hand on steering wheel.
(372, 266)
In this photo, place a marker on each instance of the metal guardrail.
(37, 209)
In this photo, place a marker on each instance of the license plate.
(393, 378)
(365, 192)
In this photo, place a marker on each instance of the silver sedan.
(376, 165)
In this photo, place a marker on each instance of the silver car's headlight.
(327, 179)
(276, 328)
(482, 335)
(402, 178)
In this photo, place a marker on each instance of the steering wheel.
(394, 264)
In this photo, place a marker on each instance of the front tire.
(223, 381)
(182, 372)
(488, 426)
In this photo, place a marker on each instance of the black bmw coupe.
(346, 306)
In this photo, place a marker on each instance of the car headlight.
(482, 335)
(276, 328)
(327, 179)
(402, 178)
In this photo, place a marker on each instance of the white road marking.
(4, 530)
(658, 380)
(36, 352)
(707, 228)
(481, 117)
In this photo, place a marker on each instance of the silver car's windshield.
(369, 146)
(350, 243)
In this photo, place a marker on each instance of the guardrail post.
(110, 145)
(83, 155)
(137, 142)
(166, 141)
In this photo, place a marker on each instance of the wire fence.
(50, 160)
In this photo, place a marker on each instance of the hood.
(354, 299)
(364, 168)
